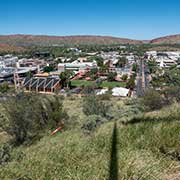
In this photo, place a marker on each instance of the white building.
(151, 54)
(165, 61)
(76, 66)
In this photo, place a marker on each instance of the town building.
(76, 66)
(42, 84)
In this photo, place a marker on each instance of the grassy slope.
(74, 155)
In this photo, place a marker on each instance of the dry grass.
(74, 155)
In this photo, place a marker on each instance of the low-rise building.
(163, 61)
(42, 85)
(76, 66)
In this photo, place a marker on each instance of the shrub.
(92, 122)
(31, 114)
(172, 94)
(135, 67)
(92, 105)
(124, 77)
(105, 97)
(152, 100)
(4, 87)
(111, 76)
(5, 155)
(131, 82)
(88, 90)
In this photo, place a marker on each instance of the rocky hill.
(41, 40)
(21, 42)
(173, 39)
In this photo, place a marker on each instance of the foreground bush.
(5, 155)
(172, 94)
(4, 87)
(30, 114)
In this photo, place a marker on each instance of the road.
(142, 80)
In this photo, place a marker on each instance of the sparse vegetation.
(153, 100)
(4, 87)
(146, 148)
(27, 116)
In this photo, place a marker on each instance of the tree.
(152, 66)
(104, 68)
(48, 69)
(98, 59)
(29, 74)
(134, 67)
(122, 62)
(65, 78)
(124, 77)
(4, 87)
(169, 77)
(93, 73)
(131, 82)
(111, 76)
(29, 114)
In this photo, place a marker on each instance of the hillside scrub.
(93, 105)
(146, 149)
(73, 155)
(152, 100)
(27, 115)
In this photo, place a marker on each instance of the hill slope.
(73, 154)
(172, 39)
(14, 42)
(29, 40)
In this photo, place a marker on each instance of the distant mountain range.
(24, 41)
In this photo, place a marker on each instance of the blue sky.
(136, 19)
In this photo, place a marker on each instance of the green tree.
(104, 69)
(100, 61)
(122, 62)
(111, 76)
(93, 73)
(134, 67)
(65, 78)
(152, 66)
(48, 69)
(124, 77)
(29, 74)
(30, 114)
(131, 82)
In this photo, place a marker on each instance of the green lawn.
(113, 84)
(78, 83)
